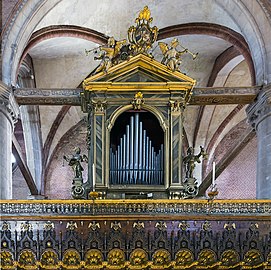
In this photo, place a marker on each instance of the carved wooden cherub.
(108, 53)
(171, 55)
(75, 162)
(190, 160)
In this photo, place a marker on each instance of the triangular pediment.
(140, 68)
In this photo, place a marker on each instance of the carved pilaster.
(97, 112)
(176, 107)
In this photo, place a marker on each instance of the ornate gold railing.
(135, 234)
(221, 209)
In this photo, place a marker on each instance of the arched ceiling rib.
(54, 31)
(219, 31)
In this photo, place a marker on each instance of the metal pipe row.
(135, 161)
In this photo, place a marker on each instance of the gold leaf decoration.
(6, 259)
(161, 257)
(93, 257)
(207, 257)
(49, 258)
(71, 259)
(184, 257)
(253, 258)
(116, 257)
(229, 258)
(26, 259)
(138, 257)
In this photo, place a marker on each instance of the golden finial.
(144, 14)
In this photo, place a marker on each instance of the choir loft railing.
(134, 160)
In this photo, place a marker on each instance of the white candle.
(213, 178)
(93, 176)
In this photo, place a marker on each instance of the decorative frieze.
(218, 208)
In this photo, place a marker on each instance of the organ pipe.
(135, 160)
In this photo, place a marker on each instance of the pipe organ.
(135, 160)
(135, 131)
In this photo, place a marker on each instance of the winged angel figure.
(171, 56)
(75, 162)
(109, 53)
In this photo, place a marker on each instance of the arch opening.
(136, 149)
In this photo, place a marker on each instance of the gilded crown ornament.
(142, 36)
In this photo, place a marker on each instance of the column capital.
(261, 108)
(8, 104)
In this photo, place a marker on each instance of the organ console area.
(135, 130)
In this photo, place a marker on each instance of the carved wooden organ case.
(135, 129)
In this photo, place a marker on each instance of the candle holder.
(93, 195)
(212, 193)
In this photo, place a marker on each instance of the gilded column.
(259, 115)
(9, 112)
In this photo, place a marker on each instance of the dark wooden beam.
(226, 160)
(224, 95)
(201, 96)
(38, 96)
(16, 149)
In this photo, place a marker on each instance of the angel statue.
(108, 53)
(171, 56)
(75, 162)
(191, 159)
